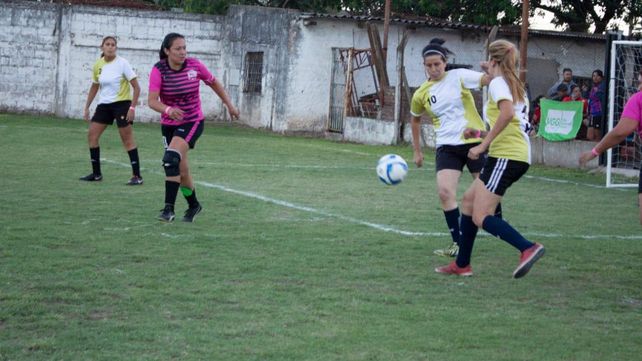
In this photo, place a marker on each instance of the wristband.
(594, 152)
(132, 108)
(167, 110)
(478, 133)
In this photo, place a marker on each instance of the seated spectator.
(536, 115)
(567, 79)
(576, 96)
(562, 92)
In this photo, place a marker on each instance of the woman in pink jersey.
(630, 121)
(174, 84)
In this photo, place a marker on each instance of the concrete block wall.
(47, 52)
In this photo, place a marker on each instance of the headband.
(429, 51)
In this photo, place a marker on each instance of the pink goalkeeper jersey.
(180, 88)
(633, 110)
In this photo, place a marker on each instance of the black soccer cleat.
(191, 212)
(92, 178)
(135, 181)
(167, 214)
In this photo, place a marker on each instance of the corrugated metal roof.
(440, 23)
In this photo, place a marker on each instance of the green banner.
(560, 120)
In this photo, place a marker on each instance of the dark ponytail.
(103, 43)
(435, 47)
(167, 44)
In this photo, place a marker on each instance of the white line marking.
(381, 227)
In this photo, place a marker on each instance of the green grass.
(87, 273)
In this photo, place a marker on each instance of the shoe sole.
(166, 220)
(523, 270)
(465, 274)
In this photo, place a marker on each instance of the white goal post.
(623, 160)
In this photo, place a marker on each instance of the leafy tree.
(579, 15)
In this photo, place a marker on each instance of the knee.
(171, 162)
(467, 202)
(478, 219)
(446, 195)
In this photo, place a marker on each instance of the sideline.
(381, 227)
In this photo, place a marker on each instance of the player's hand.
(419, 159)
(85, 115)
(471, 133)
(484, 66)
(476, 151)
(234, 113)
(176, 113)
(130, 115)
(585, 157)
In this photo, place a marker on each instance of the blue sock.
(452, 220)
(466, 241)
(499, 228)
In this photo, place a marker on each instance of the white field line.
(381, 227)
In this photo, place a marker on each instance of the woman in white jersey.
(447, 99)
(111, 80)
(508, 147)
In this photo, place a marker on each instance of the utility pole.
(523, 43)
(386, 26)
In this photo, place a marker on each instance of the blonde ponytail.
(507, 57)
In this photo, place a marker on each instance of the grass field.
(300, 254)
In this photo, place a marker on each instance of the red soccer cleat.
(453, 269)
(527, 259)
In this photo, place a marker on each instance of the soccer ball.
(392, 169)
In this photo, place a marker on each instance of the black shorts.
(106, 113)
(595, 121)
(188, 131)
(499, 173)
(456, 156)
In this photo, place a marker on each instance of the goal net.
(623, 160)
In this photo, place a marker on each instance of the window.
(253, 72)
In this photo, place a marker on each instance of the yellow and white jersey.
(450, 104)
(113, 78)
(513, 142)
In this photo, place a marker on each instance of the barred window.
(253, 72)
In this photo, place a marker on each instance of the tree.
(579, 15)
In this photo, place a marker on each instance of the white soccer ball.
(392, 169)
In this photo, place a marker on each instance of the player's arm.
(153, 100)
(506, 113)
(623, 128)
(220, 91)
(131, 111)
(93, 90)
(415, 127)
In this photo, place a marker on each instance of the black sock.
(190, 196)
(171, 189)
(467, 240)
(452, 220)
(498, 211)
(500, 228)
(94, 155)
(133, 159)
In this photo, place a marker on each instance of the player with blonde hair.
(509, 157)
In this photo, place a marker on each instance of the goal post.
(623, 160)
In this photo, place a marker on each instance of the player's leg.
(172, 159)
(498, 175)
(96, 129)
(449, 163)
(126, 133)
(187, 183)
(461, 266)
